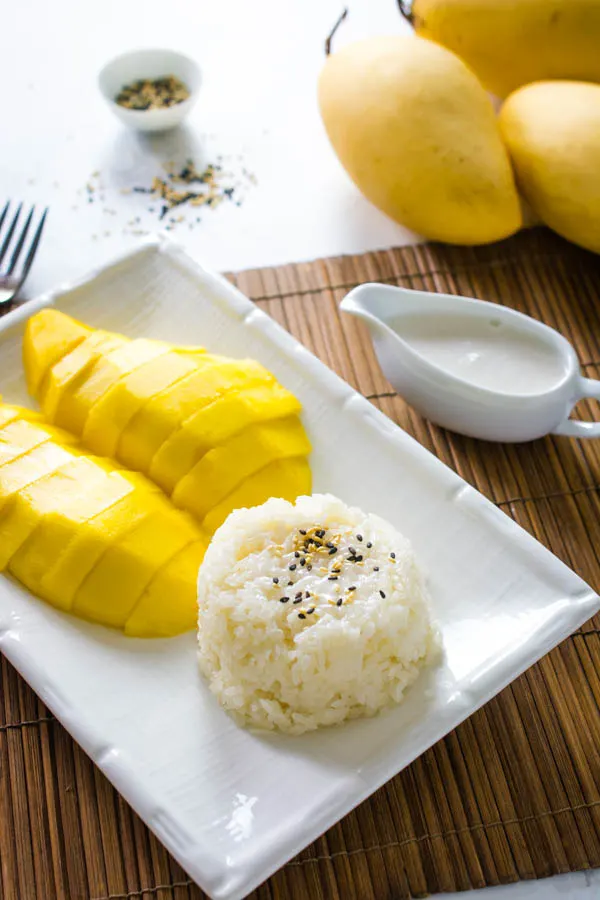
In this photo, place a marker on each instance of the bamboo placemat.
(513, 793)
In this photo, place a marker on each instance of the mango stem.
(333, 31)
(405, 7)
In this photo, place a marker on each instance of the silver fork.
(12, 246)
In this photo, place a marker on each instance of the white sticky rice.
(294, 645)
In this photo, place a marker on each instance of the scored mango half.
(212, 432)
(91, 538)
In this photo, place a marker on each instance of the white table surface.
(257, 108)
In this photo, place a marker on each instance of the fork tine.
(34, 245)
(11, 231)
(3, 213)
(17, 251)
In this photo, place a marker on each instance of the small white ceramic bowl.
(140, 64)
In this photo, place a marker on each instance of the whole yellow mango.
(509, 43)
(552, 131)
(418, 135)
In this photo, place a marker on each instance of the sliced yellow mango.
(22, 435)
(152, 617)
(61, 519)
(26, 469)
(115, 409)
(65, 488)
(49, 335)
(107, 370)
(18, 437)
(8, 414)
(117, 581)
(68, 370)
(66, 573)
(220, 470)
(285, 478)
(87, 535)
(214, 424)
(157, 420)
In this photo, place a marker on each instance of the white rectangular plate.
(232, 806)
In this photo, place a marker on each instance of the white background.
(257, 108)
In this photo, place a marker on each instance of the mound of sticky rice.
(309, 614)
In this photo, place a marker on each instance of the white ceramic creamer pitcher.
(475, 367)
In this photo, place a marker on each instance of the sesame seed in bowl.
(150, 90)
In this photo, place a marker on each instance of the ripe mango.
(213, 424)
(509, 43)
(111, 590)
(285, 478)
(108, 418)
(552, 131)
(49, 336)
(177, 581)
(89, 537)
(165, 412)
(162, 410)
(63, 377)
(417, 134)
(223, 468)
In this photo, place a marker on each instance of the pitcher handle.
(589, 387)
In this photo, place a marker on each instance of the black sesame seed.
(302, 562)
(307, 594)
(369, 545)
(358, 559)
(376, 568)
(276, 580)
(299, 595)
(320, 533)
(332, 578)
(359, 537)
(352, 550)
(302, 531)
(296, 554)
(283, 599)
(290, 583)
(297, 601)
(310, 611)
(382, 595)
(309, 567)
(339, 601)
(292, 566)
(332, 551)
(329, 544)
(352, 587)
(392, 556)
(301, 616)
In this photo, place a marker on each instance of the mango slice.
(90, 537)
(23, 471)
(111, 414)
(49, 335)
(65, 574)
(93, 492)
(162, 415)
(106, 371)
(69, 370)
(152, 617)
(220, 470)
(215, 423)
(117, 581)
(285, 478)
(67, 488)
(198, 424)
(9, 413)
